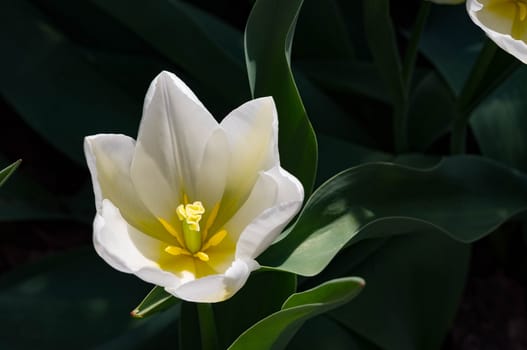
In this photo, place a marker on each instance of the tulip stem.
(413, 44)
(207, 326)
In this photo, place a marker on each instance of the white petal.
(263, 196)
(498, 29)
(128, 250)
(171, 142)
(264, 229)
(211, 178)
(215, 288)
(109, 157)
(252, 131)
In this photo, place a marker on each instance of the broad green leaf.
(208, 49)
(500, 123)
(7, 171)
(328, 117)
(414, 286)
(156, 300)
(432, 109)
(323, 332)
(321, 32)
(276, 330)
(268, 38)
(72, 299)
(337, 155)
(345, 76)
(465, 197)
(452, 48)
(53, 86)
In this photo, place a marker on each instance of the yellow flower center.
(192, 240)
(513, 12)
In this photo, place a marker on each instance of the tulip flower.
(191, 204)
(504, 22)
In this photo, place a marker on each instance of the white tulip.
(504, 22)
(192, 203)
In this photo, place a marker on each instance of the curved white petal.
(211, 178)
(128, 250)
(252, 131)
(263, 230)
(171, 142)
(498, 29)
(263, 195)
(215, 288)
(109, 157)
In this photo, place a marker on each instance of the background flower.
(505, 22)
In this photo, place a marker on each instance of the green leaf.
(7, 171)
(452, 48)
(323, 332)
(276, 330)
(381, 40)
(499, 123)
(53, 86)
(208, 49)
(268, 38)
(331, 151)
(415, 283)
(263, 294)
(321, 32)
(76, 298)
(350, 77)
(432, 109)
(465, 197)
(156, 300)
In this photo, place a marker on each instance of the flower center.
(192, 239)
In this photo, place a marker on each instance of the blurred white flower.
(504, 21)
(191, 203)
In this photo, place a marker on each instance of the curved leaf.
(268, 38)
(415, 283)
(465, 197)
(54, 86)
(499, 123)
(8, 170)
(276, 330)
(156, 300)
(210, 50)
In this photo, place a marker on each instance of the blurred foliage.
(401, 215)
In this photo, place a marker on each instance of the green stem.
(413, 44)
(207, 326)
(400, 132)
(400, 120)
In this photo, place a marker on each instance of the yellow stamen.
(172, 231)
(173, 250)
(216, 239)
(201, 256)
